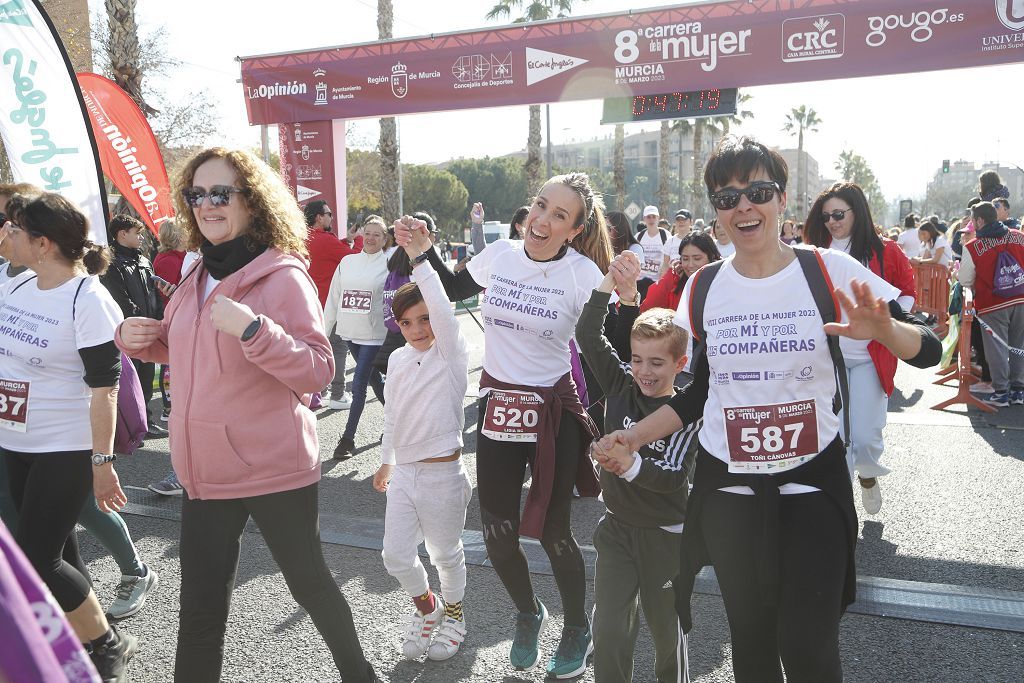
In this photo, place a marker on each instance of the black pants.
(49, 491)
(211, 538)
(803, 629)
(500, 471)
(146, 372)
(977, 336)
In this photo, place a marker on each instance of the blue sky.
(904, 125)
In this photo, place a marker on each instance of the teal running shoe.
(574, 650)
(525, 652)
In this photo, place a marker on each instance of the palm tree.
(682, 127)
(534, 10)
(620, 167)
(801, 119)
(739, 117)
(388, 141)
(663, 160)
(124, 52)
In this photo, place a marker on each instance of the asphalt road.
(952, 515)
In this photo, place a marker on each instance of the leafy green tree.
(853, 168)
(799, 120)
(532, 10)
(498, 183)
(948, 201)
(362, 181)
(437, 192)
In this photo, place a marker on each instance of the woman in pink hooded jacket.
(244, 322)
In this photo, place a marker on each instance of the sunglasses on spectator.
(220, 195)
(837, 215)
(760, 192)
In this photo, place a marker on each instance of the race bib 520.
(14, 404)
(512, 415)
(771, 438)
(356, 301)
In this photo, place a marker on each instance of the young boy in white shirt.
(427, 486)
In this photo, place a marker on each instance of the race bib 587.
(771, 438)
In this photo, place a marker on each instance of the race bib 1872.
(771, 438)
(512, 415)
(14, 405)
(356, 301)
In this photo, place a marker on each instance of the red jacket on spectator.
(900, 274)
(662, 294)
(325, 252)
(167, 265)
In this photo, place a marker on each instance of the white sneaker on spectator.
(982, 388)
(132, 593)
(871, 497)
(420, 630)
(344, 402)
(450, 635)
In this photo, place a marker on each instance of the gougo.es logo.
(920, 24)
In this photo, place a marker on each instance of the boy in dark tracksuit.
(638, 540)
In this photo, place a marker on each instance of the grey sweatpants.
(1007, 368)
(636, 562)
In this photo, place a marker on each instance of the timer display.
(670, 105)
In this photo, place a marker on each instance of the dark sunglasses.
(760, 192)
(3, 218)
(836, 215)
(220, 195)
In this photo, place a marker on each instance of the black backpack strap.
(74, 301)
(702, 280)
(822, 290)
(664, 235)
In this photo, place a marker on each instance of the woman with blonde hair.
(247, 322)
(529, 408)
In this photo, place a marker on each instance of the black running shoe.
(343, 451)
(111, 660)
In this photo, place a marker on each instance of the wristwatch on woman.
(100, 459)
(420, 259)
(251, 330)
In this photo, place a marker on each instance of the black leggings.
(804, 628)
(211, 538)
(500, 470)
(49, 491)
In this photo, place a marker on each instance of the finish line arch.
(739, 43)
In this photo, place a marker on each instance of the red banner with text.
(693, 47)
(129, 153)
(307, 160)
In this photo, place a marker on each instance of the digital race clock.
(670, 105)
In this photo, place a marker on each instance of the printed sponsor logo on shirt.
(806, 374)
(504, 323)
(778, 374)
(749, 376)
(721, 378)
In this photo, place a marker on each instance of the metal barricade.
(964, 373)
(932, 281)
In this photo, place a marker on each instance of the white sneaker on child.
(420, 630)
(449, 637)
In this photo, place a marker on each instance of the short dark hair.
(740, 158)
(122, 221)
(910, 221)
(312, 210)
(406, 296)
(985, 212)
(973, 201)
(1002, 200)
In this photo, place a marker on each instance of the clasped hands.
(412, 235)
(623, 273)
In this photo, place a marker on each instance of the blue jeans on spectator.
(364, 374)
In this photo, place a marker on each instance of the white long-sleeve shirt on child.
(424, 391)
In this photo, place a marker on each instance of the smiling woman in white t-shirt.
(58, 404)
(530, 411)
(934, 246)
(765, 386)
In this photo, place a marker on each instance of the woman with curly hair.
(246, 322)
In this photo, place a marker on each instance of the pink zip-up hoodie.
(240, 425)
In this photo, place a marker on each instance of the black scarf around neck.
(221, 260)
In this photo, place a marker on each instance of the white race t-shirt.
(671, 248)
(39, 342)
(530, 310)
(726, 250)
(650, 265)
(909, 242)
(856, 349)
(772, 382)
(5, 273)
(940, 243)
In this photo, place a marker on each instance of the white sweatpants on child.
(427, 502)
